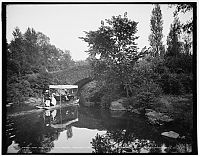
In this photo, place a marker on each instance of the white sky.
(65, 23)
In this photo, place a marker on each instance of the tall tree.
(156, 25)
(16, 53)
(115, 43)
(31, 50)
(173, 43)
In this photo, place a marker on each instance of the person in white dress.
(53, 100)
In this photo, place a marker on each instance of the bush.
(145, 97)
(159, 66)
(17, 92)
(186, 81)
(170, 84)
(182, 61)
(150, 86)
(110, 92)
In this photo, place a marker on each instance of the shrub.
(145, 97)
(170, 84)
(18, 91)
(150, 86)
(186, 81)
(182, 61)
(110, 92)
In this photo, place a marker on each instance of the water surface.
(75, 129)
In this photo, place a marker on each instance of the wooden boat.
(71, 103)
(54, 98)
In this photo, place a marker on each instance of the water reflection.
(74, 130)
(36, 133)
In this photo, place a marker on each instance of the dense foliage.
(141, 77)
(118, 67)
(125, 141)
(30, 57)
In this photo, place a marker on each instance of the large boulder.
(118, 105)
(170, 134)
(157, 117)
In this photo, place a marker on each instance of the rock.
(152, 117)
(118, 105)
(32, 100)
(166, 118)
(170, 134)
(157, 117)
(135, 111)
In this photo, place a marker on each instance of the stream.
(79, 129)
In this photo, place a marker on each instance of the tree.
(43, 42)
(28, 55)
(174, 45)
(184, 8)
(114, 41)
(16, 56)
(187, 44)
(156, 25)
(66, 60)
(31, 50)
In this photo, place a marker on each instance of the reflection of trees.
(35, 134)
(120, 141)
(38, 138)
(134, 135)
(123, 141)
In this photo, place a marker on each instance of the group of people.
(50, 98)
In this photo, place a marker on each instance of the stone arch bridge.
(79, 75)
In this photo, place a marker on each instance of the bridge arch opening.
(83, 82)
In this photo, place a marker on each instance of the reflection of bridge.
(79, 75)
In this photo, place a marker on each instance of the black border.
(4, 68)
(4, 74)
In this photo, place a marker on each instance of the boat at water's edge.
(59, 105)
(54, 97)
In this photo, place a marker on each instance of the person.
(66, 94)
(47, 99)
(53, 100)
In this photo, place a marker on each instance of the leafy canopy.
(114, 40)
